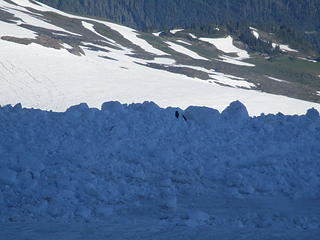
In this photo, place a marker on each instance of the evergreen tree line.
(300, 15)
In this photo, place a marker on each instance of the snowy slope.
(69, 59)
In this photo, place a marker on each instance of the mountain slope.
(53, 60)
(170, 13)
(303, 16)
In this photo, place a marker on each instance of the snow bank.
(90, 164)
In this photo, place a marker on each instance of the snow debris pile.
(88, 163)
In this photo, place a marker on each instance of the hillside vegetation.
(170, 13)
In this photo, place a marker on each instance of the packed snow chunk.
(104, 211)
(196, 218)
(113, 107)
(83, 212)
(312, 114)
(236, 111)
(7, 176)
(202, 115)
(146, 107)
(77, 110)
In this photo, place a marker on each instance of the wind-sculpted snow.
(140, 159)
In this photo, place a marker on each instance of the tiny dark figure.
(177, 114)
(184, 117)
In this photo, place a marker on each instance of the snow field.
(93, 79)
(7, 29)
(90, 164)
(31, 18)
(70, 82)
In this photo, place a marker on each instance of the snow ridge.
(89, 163)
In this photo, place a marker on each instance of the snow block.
(113, 106)
(312, 114)
(7, 176)
(77, 110)
(236, 111)
(18, 106)
(202, 115)
(147, 107)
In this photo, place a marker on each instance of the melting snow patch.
(66, 46)
(174, 31)
(226, 45)
(184, 42)
(284, 48)
(231, 81)
(193, 36)
(234, 61)
(202, 69)
(307, 59)
(276, 79)
(221, 78)
(157, 34)
(90, 27)
(131, 35)
(180, 49)
(255, 32)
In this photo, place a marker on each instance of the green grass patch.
(289, 69)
